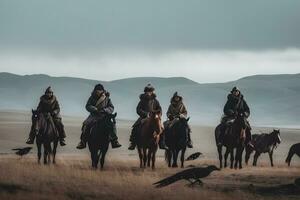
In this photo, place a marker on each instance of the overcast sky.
(207, 41)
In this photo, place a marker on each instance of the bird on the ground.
(192, 175)
(194, 156)
(22, 151)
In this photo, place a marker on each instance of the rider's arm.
(227, 109)
(140, 111)
(89, 107)
(56, 108)
(109, 109)
(157, 106)
(246, 109)
(169, 114)
(183, 111)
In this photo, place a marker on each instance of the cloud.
(200, 65)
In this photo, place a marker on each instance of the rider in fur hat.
(99, 105)
(175, 111)
(148, 103)
(49, 105)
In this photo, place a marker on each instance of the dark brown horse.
(176, 142)
(147, 140)
(46, 135)
(234, 139)
(295, 149)
(99, 139)
(263, 143)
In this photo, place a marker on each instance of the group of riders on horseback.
(99, 106)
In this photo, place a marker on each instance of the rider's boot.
(132, 139)
(113, 137)
(30, 140)
(83, 137)
(162, 141)
(81, 145)
(62, 135)
(62, 142)
(31, 137)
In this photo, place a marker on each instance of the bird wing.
(194, 156)
(185, 174)
(17, 149)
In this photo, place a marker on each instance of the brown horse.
(147, 140)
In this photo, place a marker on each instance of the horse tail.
(290, 155)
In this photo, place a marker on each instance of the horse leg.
(231, 157)
(102, 160)
(94, 158)
(45, 154)
(144, 157)
(169, 157)
(175, 157)
(182, 157)
(225, 156)
(220, 156)
(236, 158)
(241, 157)
(149, 157)
(256, 155)
(248, 153)
(54, 152)
(153, 159)
(49, 153)
(271, 158)
(39, 147)
(141, 157)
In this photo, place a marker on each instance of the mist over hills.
(273, 99)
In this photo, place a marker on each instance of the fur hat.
(235, 89)
(48, 90)
(149, 88)
(98, 87)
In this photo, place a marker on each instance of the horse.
(234, 138)
(46, 135)
(176, 142)
(263, 143)
(148, 138)
(295, 149)
(98, 140)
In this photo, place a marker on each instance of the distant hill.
(274, 99)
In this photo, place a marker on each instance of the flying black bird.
(194, 156)
(22, 151)
(192, 175)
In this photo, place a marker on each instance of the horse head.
(155, 117)
(276, 136)
(110, 120)
(35, 121)
(183, 125)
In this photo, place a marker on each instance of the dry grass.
(72, 178)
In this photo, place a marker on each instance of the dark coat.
(231, 107)
(147, 104)
(51, 106)
(176, 108)
(101, 108)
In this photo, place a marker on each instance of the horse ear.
(188, 119)
(32, 111)
(115, 114)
